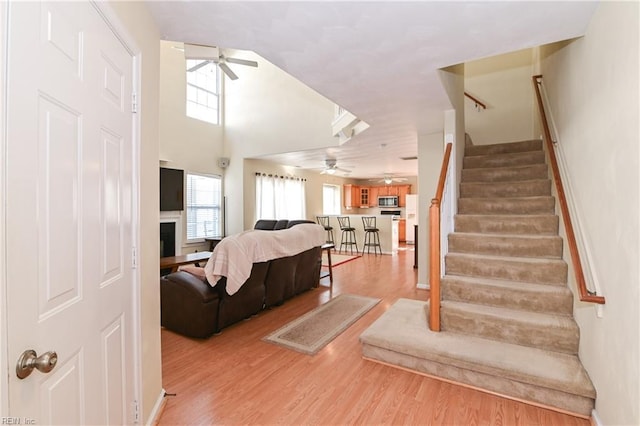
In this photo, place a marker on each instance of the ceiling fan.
(389, 179)
(331, 167)
(212, 55)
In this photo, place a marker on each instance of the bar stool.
(348, 237)
(371, 232)
(324, 222)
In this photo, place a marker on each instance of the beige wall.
(267, 111)
(185, 143)
(592, 85)
(503, 83)
(313, 188)
(139, 24)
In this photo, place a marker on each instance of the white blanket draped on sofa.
(235, 255)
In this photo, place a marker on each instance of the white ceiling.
(378, 60)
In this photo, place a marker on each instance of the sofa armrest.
(189, 305)
(197, 287)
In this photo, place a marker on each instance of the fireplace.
(170, 234)
(167, 239)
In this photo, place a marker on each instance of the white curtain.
(280, 197)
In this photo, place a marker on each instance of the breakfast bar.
(388, 231)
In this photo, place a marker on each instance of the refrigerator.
(411, 212)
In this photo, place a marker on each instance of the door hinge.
(134, 102)
(136, 411)
(134, 258)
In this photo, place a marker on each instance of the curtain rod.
(280, 176)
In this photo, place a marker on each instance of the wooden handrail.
(434, 245)
(585, 294)
(475, 100)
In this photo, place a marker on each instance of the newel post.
(434, 265)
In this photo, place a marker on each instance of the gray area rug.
(315, 329)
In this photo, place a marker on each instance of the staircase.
(506, 311)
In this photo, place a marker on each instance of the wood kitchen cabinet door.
(351, 195)
(402, 230)
(403, 190)
(365, 200)
(393, 189)
(374, 191)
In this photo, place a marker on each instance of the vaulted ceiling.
(379, 60)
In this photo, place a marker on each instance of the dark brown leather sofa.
(190, 306)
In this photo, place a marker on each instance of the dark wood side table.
(174, 262)
(327, 248)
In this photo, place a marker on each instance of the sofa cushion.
(298, 222)
(265, 224)
(281, 224)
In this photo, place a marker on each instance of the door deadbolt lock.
(30, 360)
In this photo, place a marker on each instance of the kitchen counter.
(388, 231)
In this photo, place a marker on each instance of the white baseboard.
(157, 409)
(595, 419)
(423, 286)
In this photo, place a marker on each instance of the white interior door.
(69, 214)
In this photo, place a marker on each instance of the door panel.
(69, 214)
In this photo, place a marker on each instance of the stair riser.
(504, 160)
(547, 225)
(550, 247)
(503, 148)
(558, 339)
(552, 272)
(492, 382)
(506, 174)
(522, 299)
(537, 188)
(542, 205)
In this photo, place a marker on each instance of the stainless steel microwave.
(388, 201)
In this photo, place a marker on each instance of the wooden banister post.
(434, 265)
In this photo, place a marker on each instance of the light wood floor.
(236, 378)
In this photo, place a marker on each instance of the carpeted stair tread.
(545, 224)
(508, 294)
(503, 160)
(506, 174)
(552, 332)
(523, 245)
(507, 205)
(401, 337)
(525, 188)
(503, 148)
(521, 269)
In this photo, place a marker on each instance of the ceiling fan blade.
(228, 71)
(343, 170)
(198, 66)
(241, 62)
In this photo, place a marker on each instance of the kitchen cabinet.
(365, 200)
(403, 190)
(402, 230)
(351, 196)
(367, 196)
(373, 196)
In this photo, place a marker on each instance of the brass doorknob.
(30, 360)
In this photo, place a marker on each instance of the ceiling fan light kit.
(331, 167)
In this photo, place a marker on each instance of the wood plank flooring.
(236, 378)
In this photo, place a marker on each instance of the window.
(202, 91)
(280, 197)
(330, 199)
(204, 194)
